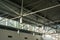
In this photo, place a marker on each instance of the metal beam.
(2, 15)
(38, 11)
(5, 12)
(23, 8)
(33, 3)
(9, 8)
(18, 6)
(21, 12)
(38, 24)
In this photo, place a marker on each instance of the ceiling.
(12, 9)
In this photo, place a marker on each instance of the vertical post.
(6, 22)
(18, 32)
(33, 34)
(21, 12)
(15, 24)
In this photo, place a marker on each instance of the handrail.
(15, 24)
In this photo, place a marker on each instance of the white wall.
(5, 33)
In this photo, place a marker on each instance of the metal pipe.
(23, 8)
(42, 10)
(38, 11)
(21, 12)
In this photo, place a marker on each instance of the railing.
(15, 24)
